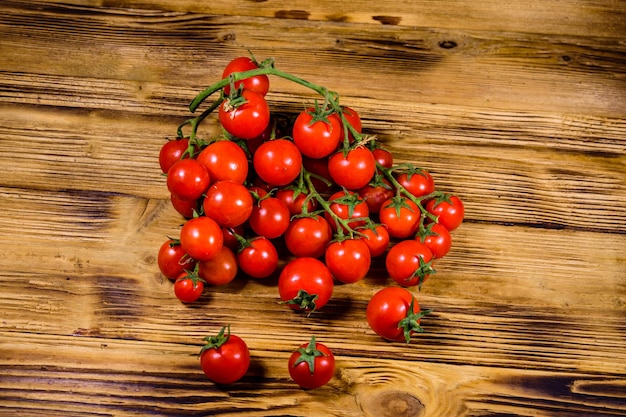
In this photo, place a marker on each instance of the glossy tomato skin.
(375, 195)
(353, 118)
(450, 214)
(247, 121)
(355, 208)
(387, 308)
(316, 139)
(258, 83)
(383, 157)
(296, 204)
(308, 236)
(202, 238)
(348, 260)
(269, 217)
(227, 363)
(439, 242)
(171, 152)
(225, 160)
(229, 203)
(401, 216)
(323, 366)
(309, 275)
(419, 183)
(186, 289)
(404, 262)
(173, 260)
(188, 179)
(376, 239)
(353, 170)
(259, 259)
(278, 162)
(219, 270)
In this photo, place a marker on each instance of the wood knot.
(392, 404)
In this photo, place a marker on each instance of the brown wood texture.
(518, 108)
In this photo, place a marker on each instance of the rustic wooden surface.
(520, 109)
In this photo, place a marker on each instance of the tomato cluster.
(311, 189)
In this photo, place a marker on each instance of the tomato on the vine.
(225, 160)
(188, 288)
(296, 201)
(224, 359)
(376, 238)
(401, 216)
(312, 365)
(258, 83)
(448, 209)
(394, 314)
(173, 260)
(316, 136)
(376, 193)
(347, 205)
(201, 237)
(383, 157)
(348, 260)
(354, 169)
(437, 238)
(171, 152)
(353, 118)
(219, 270)
(418, 182)
(269, 217)
(305, 284)
(278, 162)
(409, 263)
(308, 236)
(188, 179)
(258, 257)
(247, 120)
(229, 203)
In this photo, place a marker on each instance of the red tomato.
(377, 239)
(171, 152)
(305, 284)
(418, 183)
(437, 238)
(278, 162)
(188, 179)
(201, 237)
(258, 258)
(316, 138)
(296, 204)
(173, 260)
(188, 288)
(383, 157)
(224, 358)
(312, 365)
(394, 314)
(248, 120)
(270, 217)
(347, 205)
(409, 263)
(353, 118)
(229, 203)
(225, 160)
(401, 216)
(230, 238)
(258, 83)
(308, 236)
(376, 193)
(449, 210)
(348, 260)
(219, 270)
(186, 208)
(353, 170)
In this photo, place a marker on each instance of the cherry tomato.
(377, 239)
(219, 270)
(248, 120)
(409, 263)
(173, 260)
(348, 260)
(258, 258)
(347, 205)
(383, 157)
(312, 365)
(188, 179)
(258, 83)
(324, 184)
(449, 210)
(201, 237)
(353, 170)
(394, 314)
(225, 160)
(376, 193)
(316, 138)
(437, 238)
(305, 284)
(229, 203)
(269, 217)
(224, 359)
(171, 152)
(401, 216)
(278, 162)
(418, 183)
(354, 120)
(186, 208)
(188, 288)
(230, 238)
(308, 236)
(296, 204)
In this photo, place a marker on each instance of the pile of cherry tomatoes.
(309, 198)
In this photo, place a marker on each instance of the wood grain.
(517, 108)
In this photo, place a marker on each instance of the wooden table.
(518, 108)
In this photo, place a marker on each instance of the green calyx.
(304, 301)
(308, 355)
(214, 342)
(411, 323)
